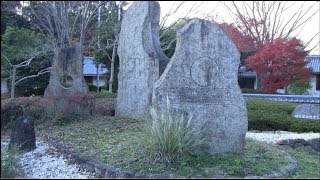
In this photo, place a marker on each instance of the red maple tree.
(279, 63)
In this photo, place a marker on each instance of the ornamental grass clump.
(171, 138)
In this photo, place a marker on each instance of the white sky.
(217, 11)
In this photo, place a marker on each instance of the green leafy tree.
(10, 17)
(299, 87)
(20, 48)
(105, 41)
(168, 37)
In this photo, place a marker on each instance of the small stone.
(315, 143)
(110, 172)
(100, 169)
(307, 111)
(23, 134)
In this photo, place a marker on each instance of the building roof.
(314, 63)
(90, 69)
(244, 72)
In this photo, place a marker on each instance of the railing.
(286, 98)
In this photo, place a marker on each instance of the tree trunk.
(13, 80)
(98, 79)
(258, 82)
(286, 89)
(112, 64)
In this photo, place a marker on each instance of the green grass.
(122, 142)
(9, 162)
(309, 164)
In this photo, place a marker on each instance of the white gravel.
(275, 136)
(44, 162)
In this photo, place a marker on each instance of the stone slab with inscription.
(201, 80)
(141, 59)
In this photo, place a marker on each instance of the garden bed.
(121, 142)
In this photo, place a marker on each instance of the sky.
(215, 10)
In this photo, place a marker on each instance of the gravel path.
(275, 136)
(45, 162)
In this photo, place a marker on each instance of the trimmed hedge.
(266, 115)
(251, 91)
(104, 94)
(51, 109)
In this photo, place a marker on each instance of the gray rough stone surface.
(315, 143)
(68, 61)
(23, 134)
(302, 144)
(201, 80)
(140, 55)
(307, 111)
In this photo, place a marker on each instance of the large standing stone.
(307, 111)
(201, 80)
(140, 55)
(67, 63)
(23, 133)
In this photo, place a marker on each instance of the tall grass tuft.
(171, 138)
(9, 162)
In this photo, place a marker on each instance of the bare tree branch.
(43, 71)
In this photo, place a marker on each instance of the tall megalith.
(141, 59)
(201, 80)
(67, 88)
(66, 76)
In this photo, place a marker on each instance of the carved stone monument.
(66, 76)
(201, 80)
(23, 134)
(307, 111)
(141, 59)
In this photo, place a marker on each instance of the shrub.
(9, 112)
(11, 109)
(57, 110)
(300, 88)
(104, 94)
(92, 87)
(171, 138)
(251, 91)
(266, 115)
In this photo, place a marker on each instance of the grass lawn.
(121, 142)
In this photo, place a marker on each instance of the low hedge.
(104, 94)
(266, 115)
(251, 91)
(52, 109)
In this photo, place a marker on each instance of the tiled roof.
(89, 68)
(244, 72)
(314, 63)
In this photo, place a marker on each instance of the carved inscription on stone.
(203, 71)
(201, 95)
